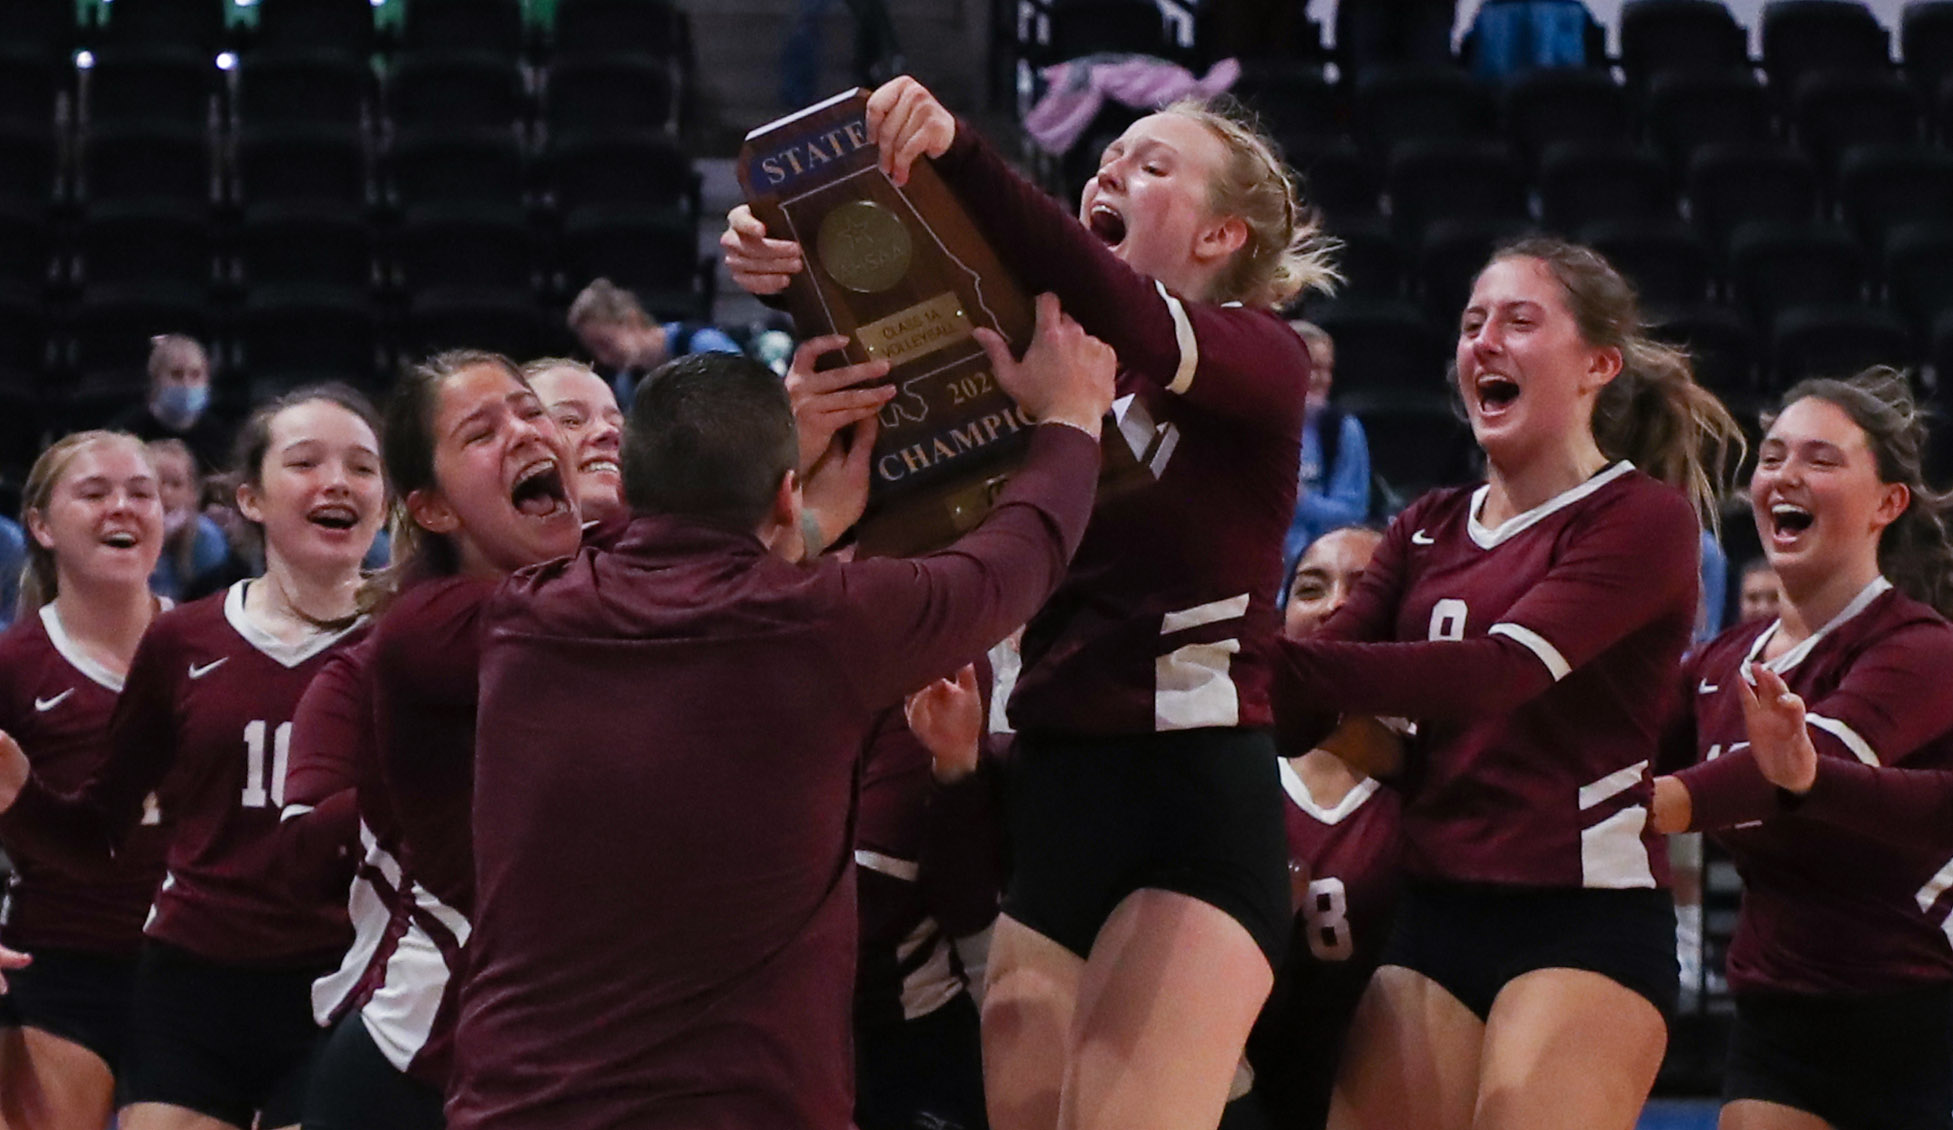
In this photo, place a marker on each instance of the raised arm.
(319, 826)
(920, 619)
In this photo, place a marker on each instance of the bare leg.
(48, 1083)
(163, 1116)
(1568, 1047)
(1411, 1059)
(1756, 1114)
(1027, 1013)
(1170, 991)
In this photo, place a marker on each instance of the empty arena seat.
(652, 253)
(1836, 110)
(1372, 261)
(306, 245)
(651, 27)
(1732, 184)
(1802, 37)
(1662, 36)
(1430, 180)
(1882, 187)
(338, 27)
(608, 93)
(1774, 266)
(1926, 43)
(1334, 176)
(145, 245)
(445, 247)
(1291, 99)
(143, 84)
(276, 88)
(447, 167)
(1686, 110)
(638, 169)
(1387, 352)
(1548, 106)
(1394, 104)
(293, 336)
(507, 322)
(492, 26)
(1917, 258)
(324, 165)
(1584, 182)
(150, 162)
(462, 89)
(1664, 258)
(195, 24)
(1829, 340)
(1722, 350)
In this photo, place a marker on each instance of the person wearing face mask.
(194, 546)
(614, 327)
(178, 405)
(1840, 967)
(221, 1030)
(1333, 488)
(91, 503)
(1531, 628)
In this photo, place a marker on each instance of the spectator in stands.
(13, 555)
(613, 327)
(179, 402)
(1334, 485)
(1759, 592)
(1394, 31)
(193, 545)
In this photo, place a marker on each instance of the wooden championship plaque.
(904, 273)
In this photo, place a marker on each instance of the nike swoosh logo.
(1422, 538)
(198, 672)
(46, 704)
(1706, 687)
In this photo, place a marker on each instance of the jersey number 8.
(1328, 915)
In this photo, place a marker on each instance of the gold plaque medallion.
(864, 246)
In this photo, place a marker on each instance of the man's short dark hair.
(708, 437)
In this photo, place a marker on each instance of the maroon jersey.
(1349, 856)
(1827, 910)
(1167, 618)
(928, 855)
(206, 716)
(1542, 683)
(665, 920)
(56, 702)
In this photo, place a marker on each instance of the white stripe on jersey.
(1615, 783)
(1930, 893)
(1612, 854)
(371, 916)
(894, 868)
(1193, 687)
(1233, 608)
(1859, 747)
(401, 1014)
(1183, 334)
(1532, 641)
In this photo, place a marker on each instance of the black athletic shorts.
(921, 1074)
(355, 1087)
(1196, 812)
(227, 1041)
(1860, 1063)
(79, 996)
(1473, 939)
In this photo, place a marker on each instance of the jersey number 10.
(260, 788)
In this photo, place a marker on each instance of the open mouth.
(121, 539)
(333, 516)
(1788, 521)
(601, 465)
(1495, 392)
(1107, 224)
(538, 490)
